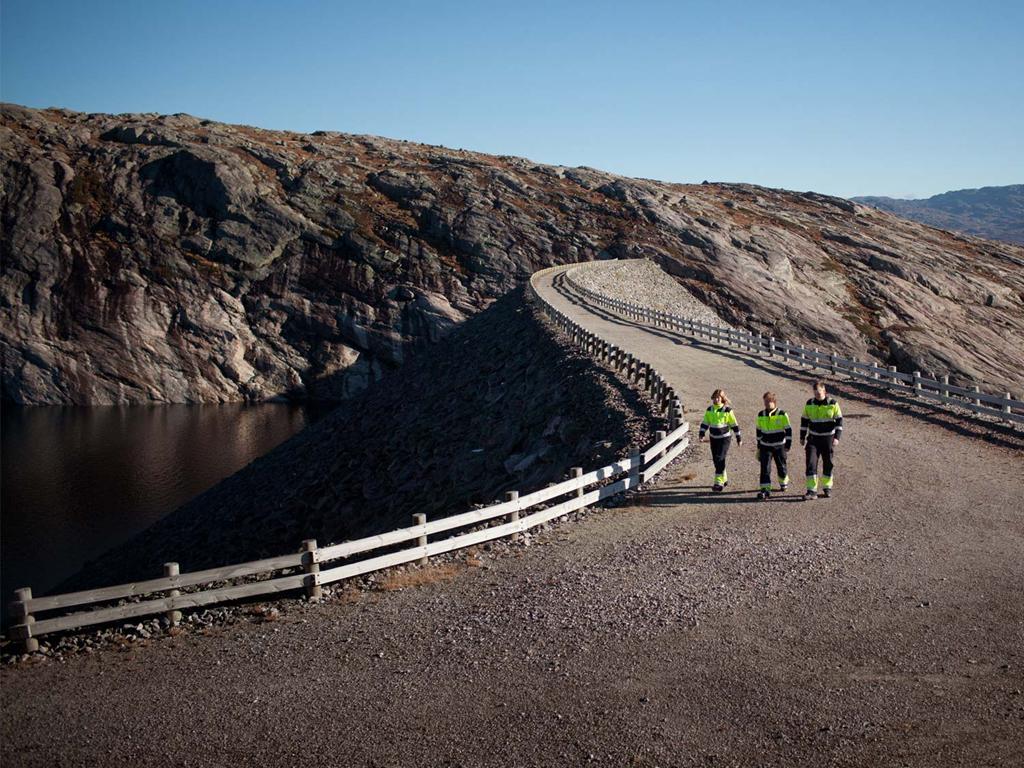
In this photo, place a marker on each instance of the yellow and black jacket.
(821, 418)
(720, 421)
(774, 429)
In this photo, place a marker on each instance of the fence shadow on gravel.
(671, 495)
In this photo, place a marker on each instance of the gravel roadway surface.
(882, 627)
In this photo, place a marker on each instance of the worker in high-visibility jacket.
(821, 426)
(720, 425)
(774, 439)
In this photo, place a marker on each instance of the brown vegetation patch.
(431, 574)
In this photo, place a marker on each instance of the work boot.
(761, 495)
(826, 492)
(716, 488)
(783, 487)
(810, 495)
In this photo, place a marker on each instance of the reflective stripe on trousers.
(719, 449)
(819, 446)
(766, 456)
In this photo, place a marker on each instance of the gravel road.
(882, 627)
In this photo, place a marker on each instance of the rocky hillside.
(505, 404)
(158, 258)
(993, 212)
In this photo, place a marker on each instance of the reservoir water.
(77, 481)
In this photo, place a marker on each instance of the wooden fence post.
(312, 569)
(421, 519)
(578, 472)
(634, 472)
(945, 385)
(917, 383)
(1007, 408)
(771, 346)
(514, 514)
(977, 390)
(20, 611)
(892, 373)
(173, 616)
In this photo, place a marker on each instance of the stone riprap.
(504, 405)
(644, 283)
(166, 258)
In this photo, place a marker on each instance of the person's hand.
(835, 441)
(703, 439)
(801, 441)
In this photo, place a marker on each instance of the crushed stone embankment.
(502, 404)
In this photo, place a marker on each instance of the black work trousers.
(719, 448)
(767, 454)
(819, 446)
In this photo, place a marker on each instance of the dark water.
(77, 481)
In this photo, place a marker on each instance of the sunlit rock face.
(158, 258)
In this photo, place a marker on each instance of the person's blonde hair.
(721, 393)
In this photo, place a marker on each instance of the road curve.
(880, 627)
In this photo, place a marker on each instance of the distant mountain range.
(996, 213)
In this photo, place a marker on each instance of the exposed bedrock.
(152, 258)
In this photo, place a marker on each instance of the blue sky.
(899, 98)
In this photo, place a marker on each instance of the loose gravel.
(882, 627)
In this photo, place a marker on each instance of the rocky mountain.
(153, 258)
(993, 212)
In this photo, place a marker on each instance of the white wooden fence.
(315, 566)
(941, 391)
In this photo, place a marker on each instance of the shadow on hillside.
(503, 404)
(989, 430)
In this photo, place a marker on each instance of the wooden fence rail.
(1005, 407)
(275, 575)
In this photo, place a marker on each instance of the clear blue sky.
(898, 98)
